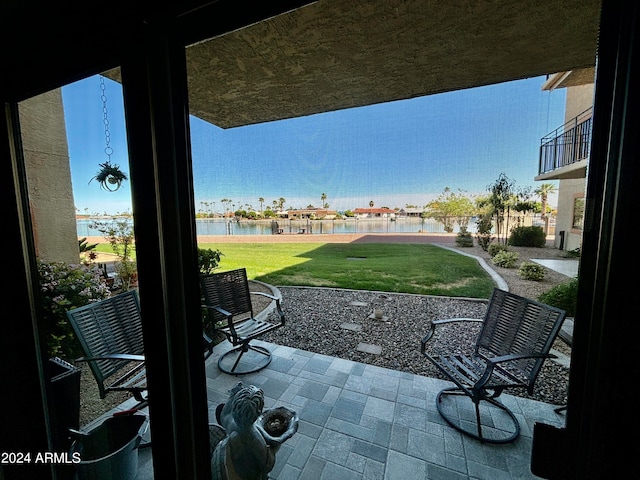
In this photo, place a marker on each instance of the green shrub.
(484, 225)
(83, 246)
(64, 287)
(505, 259)
(564, 296)
(464, 238)
(531, 271)
(575, 253)
(87, 251)
(496, 248)
(208, 260)
(527, 237)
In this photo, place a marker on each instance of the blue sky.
(398, 153)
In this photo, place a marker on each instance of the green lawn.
(385, 267)
(402, 268)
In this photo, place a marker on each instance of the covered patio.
(149, 44)
(362, 422)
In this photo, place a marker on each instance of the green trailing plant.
(496, 248)
(564, 296)
(464, 238)
(505, 259)
(528, 237)
(110, 177)
(532, 271)
(208, 260)
(64, 287)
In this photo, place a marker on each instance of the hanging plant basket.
(110, 177)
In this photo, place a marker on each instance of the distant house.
(305, 213)
(374, 213)
(411, 212)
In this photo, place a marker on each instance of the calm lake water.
(219, 226)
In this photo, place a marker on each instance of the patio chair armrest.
(443, 321)
(275, 299)
(514, 356)
(113, 356)
(491, 364)
(232, 329)
(280, 311)
(219, 310)
(268, 295)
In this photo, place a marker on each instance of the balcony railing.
(567, 144)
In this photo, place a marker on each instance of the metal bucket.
(110, 451)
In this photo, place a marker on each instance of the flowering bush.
(65, 286)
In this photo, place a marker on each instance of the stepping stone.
(369, 348)
(561, 358)
(384, 318)
(359, 304)
(354, 327)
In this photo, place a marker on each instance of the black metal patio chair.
(515, 339)
(227, 300)
(110, 333)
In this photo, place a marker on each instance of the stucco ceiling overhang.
(336, 54)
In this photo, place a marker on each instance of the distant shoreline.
(320, 238)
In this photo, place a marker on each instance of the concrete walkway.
(568, 267)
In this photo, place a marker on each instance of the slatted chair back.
(230, 291)
(227, 300)
(517, 325)
(107, 328)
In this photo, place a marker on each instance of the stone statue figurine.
(245, 443)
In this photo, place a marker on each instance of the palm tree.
(225, 202)
(323, 197)
(281, 202)
(261, 200)
(544, 191)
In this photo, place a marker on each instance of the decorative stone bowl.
(277, 425)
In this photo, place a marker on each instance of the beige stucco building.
(48, 172)
(564, 154)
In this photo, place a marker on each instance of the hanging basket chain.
(107, 135)
(110, 176)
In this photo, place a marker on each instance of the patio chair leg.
(455, 391)
(478, 422)
(241, 350)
